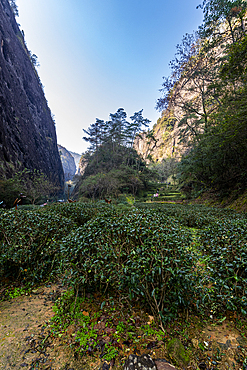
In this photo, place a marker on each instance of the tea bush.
(168, 257)
(29, 248)
(197, 216)
(80, 213)
(143, 254)
(225, 242)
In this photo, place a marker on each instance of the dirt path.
(22, 329)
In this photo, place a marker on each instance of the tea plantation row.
(169, 258)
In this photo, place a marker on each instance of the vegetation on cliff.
(205, 96)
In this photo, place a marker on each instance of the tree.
(112, 162)
(34, 59)
(9, 191)
(187, 95)
(96, 135)
(206, 93)
(112, 141)
(35, 185)
(223, 18)
(219, 160)
(162, 170)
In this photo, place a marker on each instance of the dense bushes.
(142, 254)
(226, 245)
(28, 243)
(169, 258)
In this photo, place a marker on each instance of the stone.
(242, 341)
(177, 353)
(143, 362)
(162, 364)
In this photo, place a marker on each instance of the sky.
(100, 55)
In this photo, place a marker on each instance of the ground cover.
(136, 277)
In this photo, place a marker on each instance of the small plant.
(10, 293)
(130, 200)
(110, 352)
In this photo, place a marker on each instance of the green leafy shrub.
(29, 248)
(225, 242)
(80, 213)
(142, 254)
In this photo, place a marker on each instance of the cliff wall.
(68, 162)
(166, 141)
(27, 131)
(77, 158)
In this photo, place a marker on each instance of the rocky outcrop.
(77, 158)
(164, 141)
(68, 162)
(82, 165)
(27, 131)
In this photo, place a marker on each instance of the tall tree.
(96, 134)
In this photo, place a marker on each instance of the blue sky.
(100, 55)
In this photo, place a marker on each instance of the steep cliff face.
(77, 158)
(166, 141)
(82, 165)
(27, 131)
(68, 162)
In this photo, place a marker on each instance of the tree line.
(206, 93)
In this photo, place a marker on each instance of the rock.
(77, 158)
(143, 362)
(105, 366)
(68, 162)
(177, 352)
(37, 291)
(226, 345)
(99, 326)
(164, 365)
(27, 131)
(202, 366)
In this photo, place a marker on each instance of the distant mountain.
(68, 162)
(27, 131)
(77, 158)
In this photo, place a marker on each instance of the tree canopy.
(113, 165)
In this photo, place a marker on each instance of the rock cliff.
(77, 158)
(68, 162)
(165, 140)
(27, 131)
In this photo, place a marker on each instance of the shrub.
(141, 254)
(29, 248)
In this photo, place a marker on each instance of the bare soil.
(24, 342)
